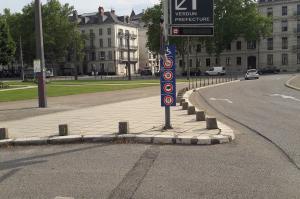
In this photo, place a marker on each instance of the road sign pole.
(163, 39)
(188, 63)
(40, 54)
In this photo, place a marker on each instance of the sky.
(122, 7)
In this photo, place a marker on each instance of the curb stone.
(30, 141)
(289, 85)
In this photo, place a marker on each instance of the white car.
(252, 74)
(216, 71)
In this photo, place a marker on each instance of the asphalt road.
(266, 106)
(250, 167)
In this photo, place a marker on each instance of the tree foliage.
(233, 19)
(60, 33)
(7, 45)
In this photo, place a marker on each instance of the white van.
(216, 71)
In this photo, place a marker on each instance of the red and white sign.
(175, 31)
(168, 100)
(168, 88)
(168, 64)
(168, 75)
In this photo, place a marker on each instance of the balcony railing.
(297, 30)
(131, 47)
(296, 48)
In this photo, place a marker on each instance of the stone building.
(281, 49)
(107, 46)
(147, 58)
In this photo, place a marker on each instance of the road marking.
(285, 97)
(226, 100)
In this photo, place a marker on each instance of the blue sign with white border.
(168, 77)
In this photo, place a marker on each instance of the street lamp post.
(40, 54)
(21, 60)
(127, 36)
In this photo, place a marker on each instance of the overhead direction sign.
(191, 17)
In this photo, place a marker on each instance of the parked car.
(192, 73)
(252, 74)
(49, 73)
(146, 72)
(216, 71)
(269, 70)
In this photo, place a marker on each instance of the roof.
(108, 18)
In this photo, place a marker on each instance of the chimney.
(126, 19)
(101, 11)
(75, 15)
(113, 12)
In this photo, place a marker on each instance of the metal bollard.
(63, 130)
(124, 127)
(185, 105)
(3, 133)
(181, 101)
(211, 123)
(191, 110)
(200, 116)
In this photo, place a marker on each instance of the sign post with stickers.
(168, 77)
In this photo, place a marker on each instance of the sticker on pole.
(168, 75)
(168, 64)
(168, 100)
(168, 88)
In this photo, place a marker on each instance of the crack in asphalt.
(290, 159)
(133, 179)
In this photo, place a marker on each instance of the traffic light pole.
(40, 55)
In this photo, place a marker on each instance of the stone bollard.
(200, 116)
(3, 133)
(63, 130)
(185, 105)
(191, 110)
(211, 123)
(181, 101)
(123, 127)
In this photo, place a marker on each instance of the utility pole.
(21, 59)
(40, 54)
(127, 36)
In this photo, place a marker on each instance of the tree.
(233, 19)
(7, 45)
(60, 32)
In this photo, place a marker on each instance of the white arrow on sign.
(227, 100)
(179, 5)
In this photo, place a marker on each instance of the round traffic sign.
(168, 75)
(168, 88)
(168, 100)
(168, 64)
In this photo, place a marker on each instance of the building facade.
(111, 44)
(281, 49)
(148, 60)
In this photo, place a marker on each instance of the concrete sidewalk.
(145, 116)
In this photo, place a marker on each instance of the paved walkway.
(145, 117)
(21, 88)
